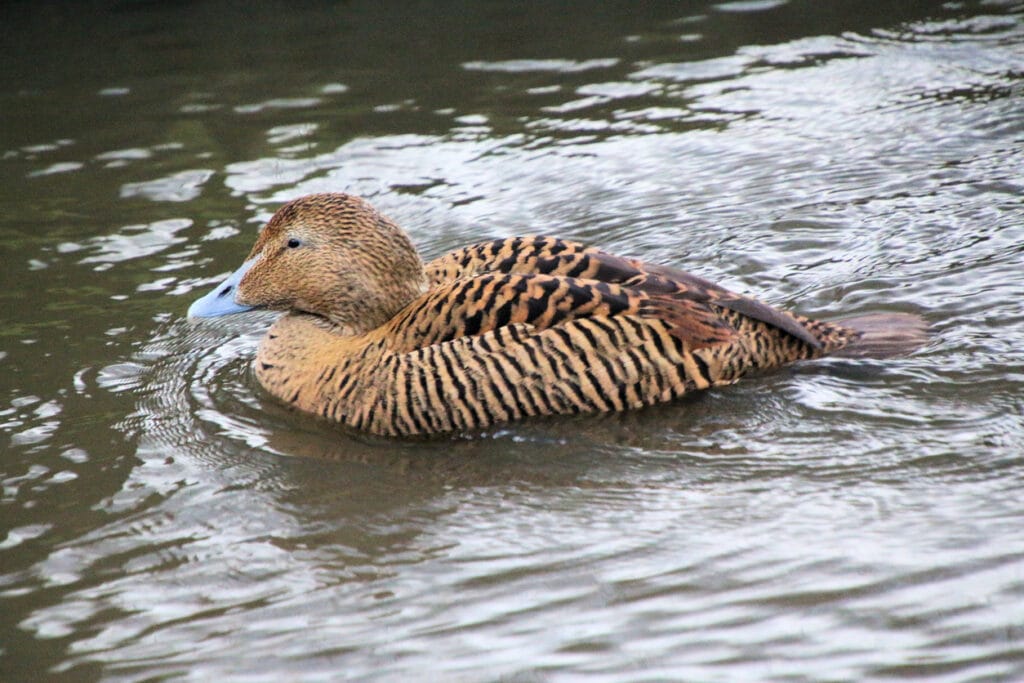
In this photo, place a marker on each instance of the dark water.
(161, 518)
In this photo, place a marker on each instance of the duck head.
(331, 255)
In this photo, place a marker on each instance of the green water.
(161, 518)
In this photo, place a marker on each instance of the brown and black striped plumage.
(503, 330)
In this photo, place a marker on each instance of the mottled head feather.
(335, 256)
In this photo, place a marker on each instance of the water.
(162, 519)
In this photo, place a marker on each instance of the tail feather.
(884, 335)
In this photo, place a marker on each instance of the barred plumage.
(501, 330)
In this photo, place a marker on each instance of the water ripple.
(833, 521)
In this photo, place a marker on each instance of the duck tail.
(884, 335)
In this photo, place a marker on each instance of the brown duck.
(500, 330)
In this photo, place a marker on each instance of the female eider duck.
(500, 330)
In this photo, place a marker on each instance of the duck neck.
(311, 363)
(359, 307)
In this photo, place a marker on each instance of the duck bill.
(221, 300)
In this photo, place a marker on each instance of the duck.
(381, 342)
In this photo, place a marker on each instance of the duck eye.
(294, 243)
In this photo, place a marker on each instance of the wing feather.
(473, 306)
(552, 256)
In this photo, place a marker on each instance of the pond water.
(162, 518)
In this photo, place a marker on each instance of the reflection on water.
(162, 517)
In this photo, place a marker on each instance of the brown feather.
(552, 256)
(504, 329)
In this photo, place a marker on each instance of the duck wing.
(472, 306)
(553, 256)
(498, 347)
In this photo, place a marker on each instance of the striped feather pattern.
(500, 330)
(552, 256)
(479, 304)
(507, 373)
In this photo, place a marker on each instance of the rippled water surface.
(161, 518)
